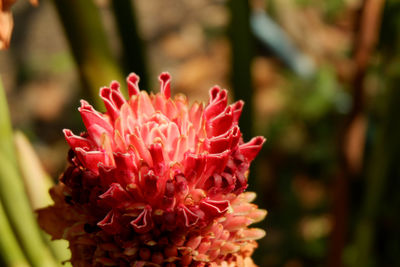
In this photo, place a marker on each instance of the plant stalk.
(133, 51)
(88, 41)
(9, 247)
(13, 197)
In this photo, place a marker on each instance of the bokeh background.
(319, 78)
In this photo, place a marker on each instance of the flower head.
(156, 182)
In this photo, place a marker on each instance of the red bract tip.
(133, 84)
(165, 80)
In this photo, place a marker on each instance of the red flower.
(154, 182)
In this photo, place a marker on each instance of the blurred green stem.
(36, 180)
(14, 200)
(6, 146)
(241, 57)
(133, 52)
(87, 38)
(37, 184)
(9, 248)
(21, 216)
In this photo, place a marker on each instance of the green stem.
(9, 248)
(241, 57)
(37, 184)
(6, 132)
(86, 36)
(133, 55)
(21, 217)
(14, 200)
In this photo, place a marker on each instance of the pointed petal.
(156, 151)
(251, 148)
(145, 106)
(110, 223)
(250, 234)
(75, 141)
(143, 223)
(194, 242)
(140, 147)
(115, 195)
(133, 84)
(220, 124)
(91, 159)
(92, 117)
(217, 103)
(214, 207)
(236, 223)
(190, 218)
(165, 80)
(237, 110)
(194, 166)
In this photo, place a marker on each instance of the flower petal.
(165, 80)
(143, 223)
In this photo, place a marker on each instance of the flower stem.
(6, 147)
(13, 197)
(133, 52)
(37, 184)
(242, 47)
(86, 36)
(9, 248)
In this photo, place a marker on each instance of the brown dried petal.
(6, 26)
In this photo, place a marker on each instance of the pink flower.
(156, 182)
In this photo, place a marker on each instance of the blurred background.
(319, 78)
